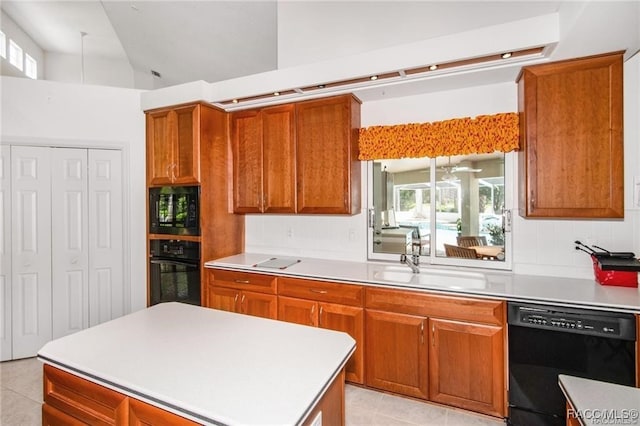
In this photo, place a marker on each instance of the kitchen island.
(199, 365)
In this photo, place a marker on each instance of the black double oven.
(174, 261)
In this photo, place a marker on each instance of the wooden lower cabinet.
(447, 349)
(332, 316)
(396, 353)
(70, 400)
(241, 292)
(242, 302)
(464, 370)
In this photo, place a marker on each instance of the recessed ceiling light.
(235, 101)
(506, 55)
(276, 93)
(433, 67)
(373, 78)
(320, 86)
(134, 7)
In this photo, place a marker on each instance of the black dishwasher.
(545, 341)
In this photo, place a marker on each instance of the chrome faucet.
(412, 262)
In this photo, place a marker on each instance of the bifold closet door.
(106, 250)
(5, 254)
(31, 249)
(69, 240)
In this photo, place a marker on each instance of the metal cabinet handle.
(313, 290)
(422, 332)
(242, 300)
(433, 335)
(313, 309)
(242, 281)
(320, 317)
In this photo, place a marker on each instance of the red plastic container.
(614, 277)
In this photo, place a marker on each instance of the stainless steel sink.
(431, 277)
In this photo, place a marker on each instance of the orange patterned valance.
(481, 135)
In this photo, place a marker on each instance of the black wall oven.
(175, 271)
(545, 341)
(174, 210)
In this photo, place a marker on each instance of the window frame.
(432, 259)
(20, 62)
(27, 59)
(3, 45)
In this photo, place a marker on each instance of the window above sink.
(449, 210)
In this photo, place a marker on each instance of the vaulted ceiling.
(215, 41)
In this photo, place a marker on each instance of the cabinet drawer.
(430, 305)
(141, 413)
(86, 401)
(243, 281)
(322, 291)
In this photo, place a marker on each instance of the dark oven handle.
(173, 262)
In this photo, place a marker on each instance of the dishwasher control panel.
(583, 321)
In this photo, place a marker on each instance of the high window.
(3, 45)
(31, 67)
(449, 210)
(15, 55)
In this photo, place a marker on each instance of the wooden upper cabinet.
(173, 146)
(328, 169)
(264, 160)
(571, 155)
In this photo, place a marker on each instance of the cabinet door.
(299, 311)
(141, 414)
(186, 145)
(5, 255)
(466, 366)
(278, 145)
(159, 148)
(396, 353)
(571, 155)
(246, 136)
(326, 158)
(222, 298)
(69, 241)
(259, 305)
(31, 249)
(348, 319)
(106, 245)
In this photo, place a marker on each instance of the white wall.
(541, 247)
(50, 113)
(100, 71)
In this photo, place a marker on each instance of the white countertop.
(207, 365)
(593, 399)
(489, 284)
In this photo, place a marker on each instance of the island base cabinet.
(70, 400)
(331, 405)
(396, 353)
(465, 366)
(85, 401)
(141, 414)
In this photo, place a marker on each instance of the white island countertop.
(571, 292)
(598, 403)
(209, 366)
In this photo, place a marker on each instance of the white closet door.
(70, 241)
(106, 256)
(5, 254)
(31, 249)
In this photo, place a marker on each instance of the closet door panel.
(31, 249)
(70, 254)
(106, 260)
(5, 253)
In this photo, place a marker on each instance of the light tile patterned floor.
(21, 398)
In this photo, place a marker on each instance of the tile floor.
(21, 397)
